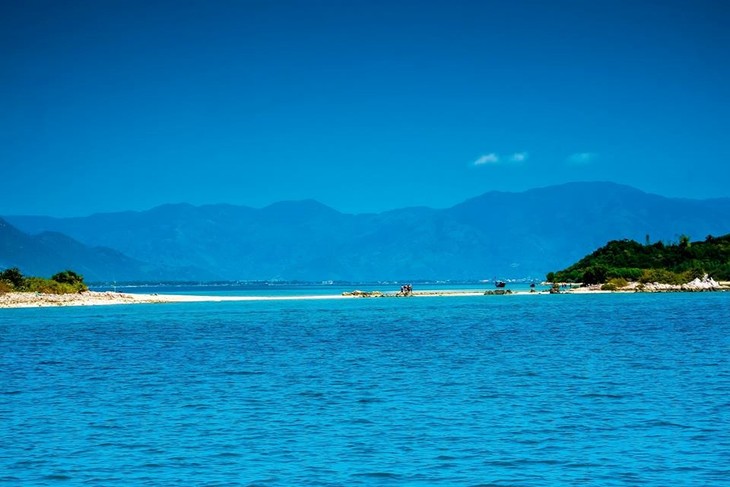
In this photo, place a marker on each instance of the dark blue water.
(494, 390)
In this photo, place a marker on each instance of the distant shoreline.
(107, 298)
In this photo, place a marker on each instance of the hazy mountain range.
(503, 235)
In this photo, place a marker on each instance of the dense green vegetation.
(65, 282)
(626, 260)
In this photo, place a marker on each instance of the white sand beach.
(94, 298)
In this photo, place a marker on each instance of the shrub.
(49, 286)
(662, 276)
(695, 273)
(615, 284)
(619, 282)
(5, 287)
(69, 277)
(76, 281)
(13, 276)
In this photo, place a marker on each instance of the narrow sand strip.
(94, 298)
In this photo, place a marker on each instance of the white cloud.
(582, 157)
(519, 157)
(490, 158)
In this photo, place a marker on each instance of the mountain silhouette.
(497, 234)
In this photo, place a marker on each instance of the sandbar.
(96, 298)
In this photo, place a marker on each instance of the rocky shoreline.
(703, 284)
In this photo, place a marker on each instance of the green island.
(622, 262)
(66, 282)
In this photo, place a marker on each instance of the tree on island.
(68, 277)
(12, 276)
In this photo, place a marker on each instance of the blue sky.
(365, 106)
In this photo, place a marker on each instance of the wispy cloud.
(490, 158)
(582, 157)
(519, 157)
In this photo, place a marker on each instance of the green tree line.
(629, 260)
(66, 282)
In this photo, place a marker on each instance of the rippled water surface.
(494, 390)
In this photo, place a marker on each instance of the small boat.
(500, 284)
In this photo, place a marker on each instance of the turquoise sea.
(523, 390)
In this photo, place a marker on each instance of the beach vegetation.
(66, 282)
(5, 287)
(645, 263)
(595, 274)
(13, 277)
(615, 284)
(663, 276)
(68, 277)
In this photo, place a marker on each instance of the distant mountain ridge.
(496, 234)
(49, 252)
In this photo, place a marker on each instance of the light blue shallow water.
(494, 390)
(274, 289)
